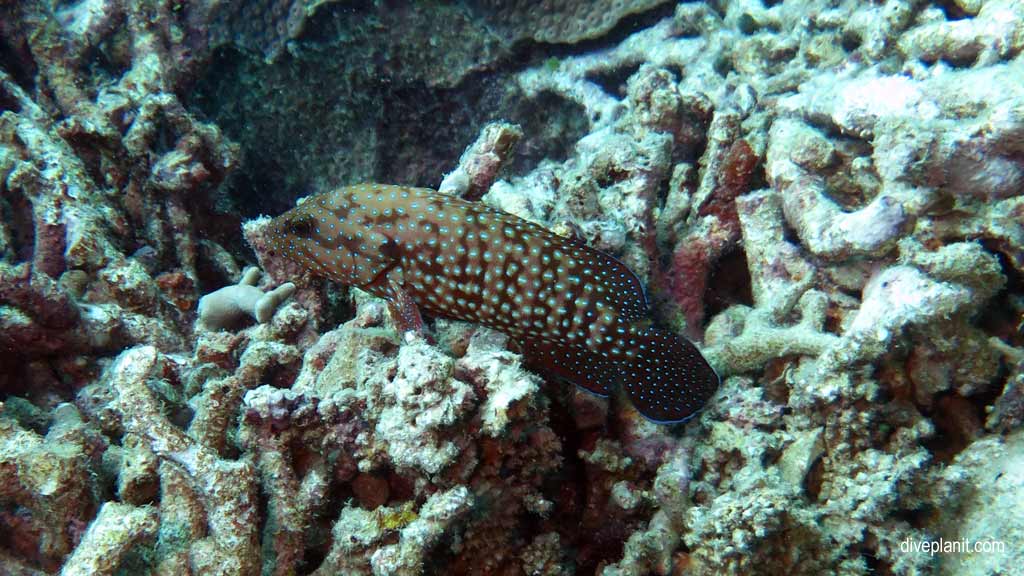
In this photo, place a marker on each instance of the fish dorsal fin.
(630, 299)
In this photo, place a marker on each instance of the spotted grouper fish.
(579, 314)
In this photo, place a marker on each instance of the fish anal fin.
(584, 368)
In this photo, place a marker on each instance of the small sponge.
(224, 308)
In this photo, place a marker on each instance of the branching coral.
(226, 488)
(826, 194)
(823, 227)
(479, 165)
(69, 172)
(273, 424)
(856, 254)
(51, 482)
(115, 531)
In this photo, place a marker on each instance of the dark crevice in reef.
(919, 517)
(728, 284)
(12, 379)
(958, 422)
(212, 277)
(424, 131)
(994, 319)
(952, 10)
(966, 60)
(15, 59)
(851, 40)
(949, 438)
(16, 211)
(551, 127)
(875, 564)
(300, 122)
(613, 81)
(339, 307)
(815, 477)
(567, 489)
(749, 25)
(7, 102)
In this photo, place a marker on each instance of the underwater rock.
(987, 512)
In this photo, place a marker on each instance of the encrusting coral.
(825, 196)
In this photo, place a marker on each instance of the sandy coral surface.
(826, 196)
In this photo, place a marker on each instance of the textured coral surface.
(826, 196)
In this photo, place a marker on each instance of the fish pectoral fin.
(405, 313)
(586, 369)
(669, 381)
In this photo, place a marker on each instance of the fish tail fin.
(667, 379)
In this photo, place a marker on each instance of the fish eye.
(301, 226)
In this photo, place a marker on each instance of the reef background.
(827, 195)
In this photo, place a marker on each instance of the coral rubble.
(828, 196)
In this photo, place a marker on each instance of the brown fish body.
(578, 311)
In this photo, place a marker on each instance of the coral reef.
(989, 473)
(115, 530)
(479, 166)
(556, 21)
(827, 196)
